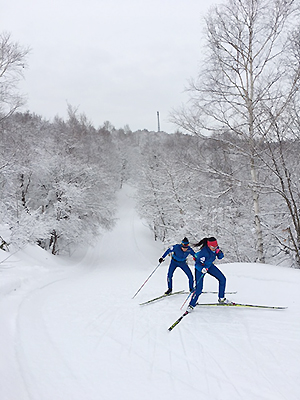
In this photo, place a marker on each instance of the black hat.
(185, 242)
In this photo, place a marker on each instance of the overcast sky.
(115, 60)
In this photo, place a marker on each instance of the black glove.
(161, 260)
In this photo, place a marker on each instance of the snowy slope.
(70, 329)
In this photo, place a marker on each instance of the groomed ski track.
(75, 333)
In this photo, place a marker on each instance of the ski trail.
(78, 334)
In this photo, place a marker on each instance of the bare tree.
(244, 72)
(12, 64)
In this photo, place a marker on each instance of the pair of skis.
(232, 304)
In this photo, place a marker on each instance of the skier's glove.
(217, 250)
(161, 260)
(204, 270)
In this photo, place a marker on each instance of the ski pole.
(146, 280)
(192, 292)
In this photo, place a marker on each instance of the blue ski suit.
(179, 260)
(204, 259)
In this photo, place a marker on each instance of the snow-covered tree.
(59, 181)
(245, 72)
(12, 65)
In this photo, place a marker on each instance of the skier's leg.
(199, 286)
(215, 272)
(170, 274)
(186, 269)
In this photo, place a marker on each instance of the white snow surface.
(70, 329)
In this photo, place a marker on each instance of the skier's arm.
(219, 253)
(192, 252)
(168, 251)
(201, 263)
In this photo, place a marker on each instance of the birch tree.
(243, 73)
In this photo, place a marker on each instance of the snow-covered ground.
(70, 329)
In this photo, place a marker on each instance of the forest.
(231, 170)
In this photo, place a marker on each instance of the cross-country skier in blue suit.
(179, 253)
(204, 264)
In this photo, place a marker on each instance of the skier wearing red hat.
(204, 264)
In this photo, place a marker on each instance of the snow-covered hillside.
(70, 329)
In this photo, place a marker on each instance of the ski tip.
(172, 326)
(233, 304)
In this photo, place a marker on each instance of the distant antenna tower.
(158, 124)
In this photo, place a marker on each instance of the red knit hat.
(212, 242)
